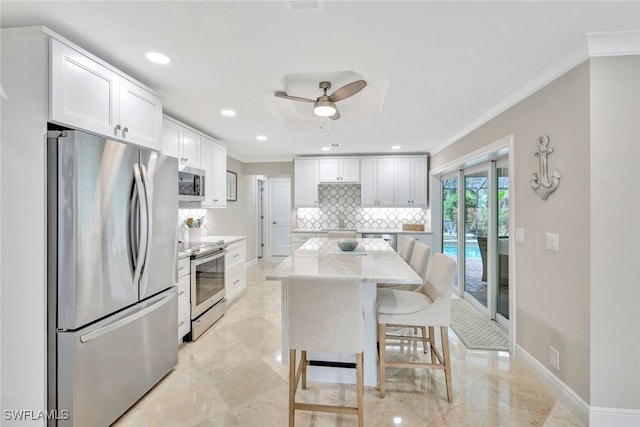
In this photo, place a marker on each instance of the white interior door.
(280, 215)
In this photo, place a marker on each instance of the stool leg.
(424, 339)
(432, 341)
(360, 380)
(303, 361)
(444, 331)
(292, 387)
(383, 355)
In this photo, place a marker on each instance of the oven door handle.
(208, 258)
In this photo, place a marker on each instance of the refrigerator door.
(160, 176)
(94, 257)
(108, 366)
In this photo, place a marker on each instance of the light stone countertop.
(324, 230)
(211, 239)
(321, 256)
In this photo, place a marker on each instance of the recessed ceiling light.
(325, 148)
(396, 147)
(157, 57)
(228, 113)
(261, 138)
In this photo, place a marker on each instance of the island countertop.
(373, 261)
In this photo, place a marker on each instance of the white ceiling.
(435, 70)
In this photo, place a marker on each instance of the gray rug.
(476, 331)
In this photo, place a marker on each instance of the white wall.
(615, 232)
(23, 223)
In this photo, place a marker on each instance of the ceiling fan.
(325, 105)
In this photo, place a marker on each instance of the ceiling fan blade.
(347, 90)
(293, 98)
(336, 115)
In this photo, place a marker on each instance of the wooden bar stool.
(324, 315)
(427, 307)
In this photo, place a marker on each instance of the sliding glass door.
(502, 268)
(450, 219)
(478, 198)
(476, 228)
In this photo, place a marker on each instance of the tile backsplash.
(342, 203)
(183, 214)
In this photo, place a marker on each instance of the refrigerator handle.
(142, 245)
(122, 322)
(147, 211)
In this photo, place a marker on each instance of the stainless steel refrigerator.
(112, 299)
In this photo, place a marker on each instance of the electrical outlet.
(553, 242)
(554, 358)
(519, 235)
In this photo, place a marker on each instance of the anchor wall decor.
(542, 186)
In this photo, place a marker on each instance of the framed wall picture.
(232, 186)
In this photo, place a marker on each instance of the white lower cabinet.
(299, 239)
(184, 297)
(235, 274)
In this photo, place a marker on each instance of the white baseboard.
(565, 395)
(614, 417)
(252, 262)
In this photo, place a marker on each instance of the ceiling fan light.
(324, 108)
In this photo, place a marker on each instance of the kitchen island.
(375, 262)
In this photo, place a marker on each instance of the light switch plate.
(519, 235)
(553, 242)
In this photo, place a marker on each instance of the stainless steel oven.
(207, 290)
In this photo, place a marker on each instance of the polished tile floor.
(232, 376)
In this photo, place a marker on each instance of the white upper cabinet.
(140, 116)
(180, 142)
(218, 186)
(376, 181)
(190, 149)
(88, 95)
(345, 170)
(410, 181)
(171, 138)
(306, 179)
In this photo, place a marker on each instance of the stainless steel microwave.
(190, 185)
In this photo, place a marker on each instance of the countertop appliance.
(112, 275)
(208, 302)
(191, 185)
(389, 238)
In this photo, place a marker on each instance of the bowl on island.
(347, 244)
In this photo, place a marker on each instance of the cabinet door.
(190, 153)
(171, 138)
(402, 181)
(385, 181)
(84, 94)
(350, 170)
(140, 116)
(369, 182)
(206, 164)
(219, 184)
(306, 178)
(329, 170)
(419, 181)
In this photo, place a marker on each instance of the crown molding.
(613, 43)
(593, 45)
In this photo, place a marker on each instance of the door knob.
(274, 222)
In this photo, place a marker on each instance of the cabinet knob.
(116, 130)
(124, 131)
